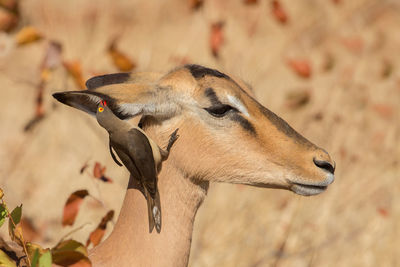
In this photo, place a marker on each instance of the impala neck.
(131, 244)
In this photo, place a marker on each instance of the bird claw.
(172, 138)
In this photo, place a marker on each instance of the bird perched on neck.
(140, 155)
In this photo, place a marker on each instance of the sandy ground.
(353, 112)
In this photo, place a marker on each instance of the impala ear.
(123, 77)
(125, 96)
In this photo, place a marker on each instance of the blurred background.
(329, 68)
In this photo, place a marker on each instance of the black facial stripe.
(244, 123)
(210, 93)
(107, 79)
(199, 72)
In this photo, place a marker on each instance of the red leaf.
(8, 20)
(383, 212)
(385, 111)
(72, 206)
(96, 236)
(279, 12)
(216, 38)
(99, 171)
(301, 67)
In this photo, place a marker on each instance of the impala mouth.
(309, 189)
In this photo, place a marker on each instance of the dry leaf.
(32, 247)
(279, 12)
(52, 58)
(301, 67)
(5, 260)
(74, 69)
(27, 35)
(8, 20)
(297, 99)
(216, 38)
(72, 205)
(13, 251)
(11, 5)
(196, 4)
(70, 253)
(99, 171)
(329, 62)
(120, 60)
(83, 168)
(387, 69)
(250, 2)
(29, 230)
(96, 236)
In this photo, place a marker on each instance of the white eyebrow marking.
(237, 104)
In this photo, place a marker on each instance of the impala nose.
(325, 162)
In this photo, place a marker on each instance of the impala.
(225, 136)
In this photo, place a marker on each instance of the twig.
(15, 226)
(73, 231)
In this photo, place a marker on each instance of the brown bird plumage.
(140, 155)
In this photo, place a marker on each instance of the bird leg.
(172, 138)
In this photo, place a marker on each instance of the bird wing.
(141, 153)
(113, 155)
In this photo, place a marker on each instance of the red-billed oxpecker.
(140, 155)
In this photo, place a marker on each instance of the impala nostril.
(325, 165)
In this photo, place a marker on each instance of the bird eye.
(101, 109)
(219, 110)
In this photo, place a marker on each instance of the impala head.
(225, 134)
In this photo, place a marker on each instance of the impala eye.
(220, 110)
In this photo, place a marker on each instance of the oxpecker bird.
(140, 155)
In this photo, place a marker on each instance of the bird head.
(104, 115)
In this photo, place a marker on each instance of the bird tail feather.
(154, 211)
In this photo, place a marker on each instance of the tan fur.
(208, 149)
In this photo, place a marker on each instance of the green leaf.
(16, 214)
(45, 259)
(35, 258)
(15, 233)
(5, 261)
(3, 214)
